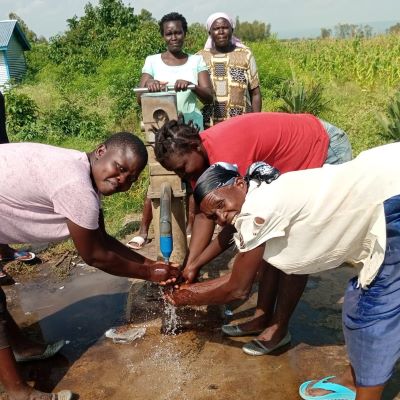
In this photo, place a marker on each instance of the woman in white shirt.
(177, 68)
(310, 221)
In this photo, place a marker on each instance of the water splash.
(171, 321)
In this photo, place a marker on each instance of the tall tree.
(252, 31)
(326, 33)
(30, 35)
(146, 15)
(394, 29)
(346, 31)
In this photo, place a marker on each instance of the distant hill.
(378, 27)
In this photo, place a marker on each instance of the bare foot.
(272, 335)
(255, 324)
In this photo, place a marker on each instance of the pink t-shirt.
(41, 187)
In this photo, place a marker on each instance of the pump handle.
(167, 88)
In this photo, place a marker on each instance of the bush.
(73, 120)
(22, 116)
(301, 99)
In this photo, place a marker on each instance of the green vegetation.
(252, 31)
(301, 99)
(79, 84)
(390, 123)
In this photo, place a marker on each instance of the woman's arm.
(214, 248)
(204, 89)
(101, 251)
(255, 98)
(222, 290)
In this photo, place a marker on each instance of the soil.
(80, 304)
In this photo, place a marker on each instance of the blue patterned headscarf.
(224, 174)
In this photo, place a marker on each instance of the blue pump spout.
(166, 242)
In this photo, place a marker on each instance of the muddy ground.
(198, 363)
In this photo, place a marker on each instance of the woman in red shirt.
(289, 142)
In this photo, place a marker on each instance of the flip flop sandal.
(236, 331)
(62, 395)
(137, 242)
(257, 348)
(20, 256)
(49, 351)
(338, 392)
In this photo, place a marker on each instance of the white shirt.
(317, 219)
(186, 100)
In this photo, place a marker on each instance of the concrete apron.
(198, 363)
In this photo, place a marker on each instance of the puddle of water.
(89, 303)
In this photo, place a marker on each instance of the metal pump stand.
(157, 109)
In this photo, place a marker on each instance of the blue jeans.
(371, 317)
(339, 150)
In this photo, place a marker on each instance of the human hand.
(155, 86)
(164, 274)
(179, 297)
(190, 273)
(181, 85)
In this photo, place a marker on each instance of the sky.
(48, 17)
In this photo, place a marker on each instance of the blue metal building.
(13, 43)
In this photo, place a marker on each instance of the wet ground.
(198, 363)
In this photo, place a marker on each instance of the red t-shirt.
(288, 142)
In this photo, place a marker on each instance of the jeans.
(339, 150)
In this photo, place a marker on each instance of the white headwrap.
(210, 20)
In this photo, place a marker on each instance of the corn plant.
(390, 122)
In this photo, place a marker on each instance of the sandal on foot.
(137, 242)
(63, 395)
(50, 351)
(257, 348)
(20, 256)
(338, 392)
(235, 330)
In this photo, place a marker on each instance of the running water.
(171, 321)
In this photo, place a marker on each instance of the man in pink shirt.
(48, 194)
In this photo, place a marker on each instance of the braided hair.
(175, 137)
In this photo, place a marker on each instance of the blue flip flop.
(339, 392)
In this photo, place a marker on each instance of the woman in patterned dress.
(233, 72)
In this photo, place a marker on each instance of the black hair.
(214, 177)
(173, 16)
(128, 140)
(175, 137)
(223, 174)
